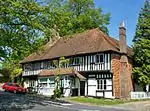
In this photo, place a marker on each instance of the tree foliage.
(26, 25)
(85, 16)
(20, 29)
(141, 47)
(76, 16)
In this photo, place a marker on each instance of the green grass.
(96, 101)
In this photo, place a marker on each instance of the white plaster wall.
(100, 94)
(85, 90)
(108, 94)
(26, 83)
(92, 83)
(109, 87)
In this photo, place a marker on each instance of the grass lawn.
(96, 101)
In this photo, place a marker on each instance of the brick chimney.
(123, 44)
(124, 72)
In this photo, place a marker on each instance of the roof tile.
(90, 41)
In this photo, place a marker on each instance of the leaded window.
(75, 61)
(101, 84)
(99, 58)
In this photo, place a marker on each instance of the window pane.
(62, 83)
(42, 65)
(71, 61)
(101, 58)
(97, 59)
(43, 79)
(104, 86)
(101, 81)
(51, 80)
(101, 86)
(98, 84)
(52, 85)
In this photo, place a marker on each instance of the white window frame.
(99, 58)
(52, 82)
(43, 81)
(42, 65)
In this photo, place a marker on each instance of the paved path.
(19, 102)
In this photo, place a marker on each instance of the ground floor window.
(43, 82)
(104, 84)
(32, 83)
(101, 84)
(52, 82)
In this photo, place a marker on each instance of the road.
(19, 102)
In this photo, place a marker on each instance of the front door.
(82, 88)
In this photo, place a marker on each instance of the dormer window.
(99, 58)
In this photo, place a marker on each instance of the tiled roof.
(90, 41)
(61, 71)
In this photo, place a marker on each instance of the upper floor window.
(42, 65)
(28, 67)
(75, 61)
(99, 58)
(37, 66)
(51, 65)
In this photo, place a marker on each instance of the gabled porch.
(69, 81)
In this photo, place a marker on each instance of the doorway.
(82, 88)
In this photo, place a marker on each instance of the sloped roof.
(90, 41)
(61, 71)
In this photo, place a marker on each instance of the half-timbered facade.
(94, 56)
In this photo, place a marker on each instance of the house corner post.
(78, 87)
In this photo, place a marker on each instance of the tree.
(26, 25)
(21, 32)
(5, 75)
(75, 16)
(59, 65)
(20, 27)
(141, 48)
(84, 15)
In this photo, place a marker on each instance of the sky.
(121, 10)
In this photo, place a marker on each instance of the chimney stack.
(122, 36)
(124, 73)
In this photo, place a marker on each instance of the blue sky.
(127, 10)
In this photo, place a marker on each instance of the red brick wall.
(116, 77)
(130, 74)
(116, 74)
